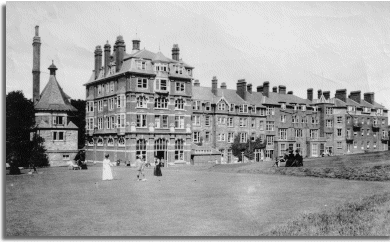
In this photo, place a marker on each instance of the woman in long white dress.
(107, 172)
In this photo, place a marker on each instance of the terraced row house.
(147, 104)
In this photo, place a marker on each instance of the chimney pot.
(356, 96)
(241, 88)
(282, 89)
(341, 94)
(249, 88)
(223, 85)
(310, 94)
(175, 52)
(275, 89)
(319, 94)
(196, 83)
(259, 88)
(214, 85)
(266, 88)
(369, 97)
(326, 95)
(290, 92)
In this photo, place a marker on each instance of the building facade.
(139, 104)
(146, 104)
(52, 110)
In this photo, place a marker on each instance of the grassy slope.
(367, 217)
(368, 167)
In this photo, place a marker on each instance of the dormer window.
(141, 65)
(379, 111)
(160, 67)
(58, 120)
(303, 107)
(243, 108)
(253, 109)
(351, 108)
(161, 84)
(189, 72)
(178, 69)
(208, 106)
(221, 106)
(283, 106)
(315, 109)
(366, 110)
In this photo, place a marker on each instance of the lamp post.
(242, 156)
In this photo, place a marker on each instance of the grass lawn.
(367, 167)
(183, 202)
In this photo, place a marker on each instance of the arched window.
(161, 102)
(179, 149)
(141, 102)
(121, 141)
(141, 148)
(110, 142)
(179, 103)
(100, 141)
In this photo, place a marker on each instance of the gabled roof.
(54, 98)
(202, 93)
(159, 57)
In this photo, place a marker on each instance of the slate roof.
(277, 98)
(54, 98)
(363, 103)
(159, 57)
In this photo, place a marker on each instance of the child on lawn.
(140, 168)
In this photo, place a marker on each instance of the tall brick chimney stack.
(266, 89)
(107, 57)
(249, 88)
(214, 85)
(319, 94)
(260, 89)
(327, 95)
(241, 88)
(282, 89)
(223, 85)
(341, 94)
(98, 60)
(196, 83)
(310, 94)
(36, 71)
(175, 52)
(356, 96)
(119, 52)
(369, 97)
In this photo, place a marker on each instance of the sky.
(319, 45)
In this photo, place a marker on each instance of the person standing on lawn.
(140, 168)
(107, 172)
(157, 169)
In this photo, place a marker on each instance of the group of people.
(140, 164)
(291, 159)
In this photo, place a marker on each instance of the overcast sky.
(323, 45)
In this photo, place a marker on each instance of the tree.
(20, 121)
(248, 148)
(78, 118)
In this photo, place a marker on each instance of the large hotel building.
(145, 103)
